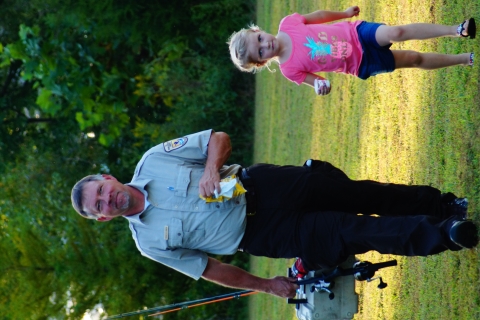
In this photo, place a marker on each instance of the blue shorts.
(375, 59)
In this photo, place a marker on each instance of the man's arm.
(218, 152)
(322, 16)
(231, 276)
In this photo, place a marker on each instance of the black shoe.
(464, 234)
(458, 207)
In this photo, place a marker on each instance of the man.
(308, 212)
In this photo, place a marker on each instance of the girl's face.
(261, 46)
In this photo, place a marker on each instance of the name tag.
(165, 233)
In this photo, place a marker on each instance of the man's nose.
(107, 197)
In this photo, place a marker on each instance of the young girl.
(305, 45)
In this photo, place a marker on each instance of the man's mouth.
(121, 200)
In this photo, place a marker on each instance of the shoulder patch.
(174, 144)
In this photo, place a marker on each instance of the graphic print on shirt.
(338, 49)
(174, 144)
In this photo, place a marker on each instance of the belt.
(250, 197)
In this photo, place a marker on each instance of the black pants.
(311, 212)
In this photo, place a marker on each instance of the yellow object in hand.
(230, 189)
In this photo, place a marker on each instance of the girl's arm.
(322, 16)
(309, 81)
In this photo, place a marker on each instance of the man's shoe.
(458, 207)
(464, 233)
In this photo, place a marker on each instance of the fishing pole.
(185, 305)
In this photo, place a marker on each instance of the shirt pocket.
(191, 238)
(183, 181)
(174, 233)
(179, 238)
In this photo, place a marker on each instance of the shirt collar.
(140, 185)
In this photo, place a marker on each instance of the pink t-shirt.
(320, 48)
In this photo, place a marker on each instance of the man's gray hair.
(77, 195)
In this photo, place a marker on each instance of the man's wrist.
(266, 285)
(211, 169)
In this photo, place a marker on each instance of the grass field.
(410, 126)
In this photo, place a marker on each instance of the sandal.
(471, 29)
(470, 63)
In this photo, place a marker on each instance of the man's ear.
(104, 219)
(109, 177)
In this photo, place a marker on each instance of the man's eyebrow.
(95, 201)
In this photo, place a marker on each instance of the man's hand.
(353, 11)
(219, 149)
(209, 182)
(283, 287)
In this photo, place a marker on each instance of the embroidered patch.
(174, 144)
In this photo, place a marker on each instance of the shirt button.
(179, 234)
(196, 208)
(176, 206)
(237, 202)
(218, 206)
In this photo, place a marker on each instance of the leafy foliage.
(112, 77)
(130, 74)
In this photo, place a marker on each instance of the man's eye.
(259, 38)
(100, 190)
(98, 206)
(260, 54)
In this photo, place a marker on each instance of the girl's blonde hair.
(237, 44)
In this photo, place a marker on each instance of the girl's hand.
(353, 11)
(322, 87)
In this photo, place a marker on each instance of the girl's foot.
(467, 29)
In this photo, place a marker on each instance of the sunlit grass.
(410, 126)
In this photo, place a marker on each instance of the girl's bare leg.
(416, 31)
(428, 61)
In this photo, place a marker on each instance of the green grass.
(410, 126)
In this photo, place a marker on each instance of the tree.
(87, 65)
(133, 73)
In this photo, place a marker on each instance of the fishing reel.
(324, 281)
(323, 286)
(366, 274)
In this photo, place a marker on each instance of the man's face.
(107, 198)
